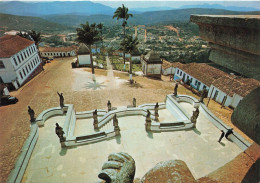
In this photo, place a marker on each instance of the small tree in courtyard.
(129, 45)
(88, 35)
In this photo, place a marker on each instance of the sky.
(169, 3)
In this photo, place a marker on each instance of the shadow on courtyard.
(134, 85)
(95, 85)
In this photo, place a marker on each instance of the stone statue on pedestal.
(203, 95)
(116, 127)
(134, 102)
(156, 113)
(109, 106)
(59, 132)
(95, 117)
(175, 89)
(31, 113)
(148, 121)
(61, 99)
(194, 116)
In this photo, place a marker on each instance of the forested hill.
(146, 18)
(25, 23)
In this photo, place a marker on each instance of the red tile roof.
(10, 45)
(241, 86)
(202, 72)
(56, 49)
(167, 64)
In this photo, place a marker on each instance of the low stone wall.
(235, 137)
(22, 161)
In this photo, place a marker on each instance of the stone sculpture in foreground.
(120, 168)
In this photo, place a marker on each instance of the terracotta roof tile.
(202, 72)
(167, 64)
(241, 86)
(56, 49)
(10, 45)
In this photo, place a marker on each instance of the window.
(15, 61)
(204, 87)
(22, 56)
(32, 64)
(24, 73)
(178, 71)
(191, 80)
(30, 51)
(2, 66)
(181, 73)
(29, 67)
(18, 58)
(196, 82)
(21, 75)
(26, 69)
(27, 53)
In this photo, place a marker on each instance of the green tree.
(100, 27)
(129, 45)
(88, 35)
(122, 13)
(110, 51)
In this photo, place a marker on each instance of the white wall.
(16, 64)
(154, 68)
(220, 95)
(236, 99)
(136, 58)
(58, 54)
(84, 59)
(8, 73)
(170, 70)
(180, 75)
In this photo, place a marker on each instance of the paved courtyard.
(198, 148)
(78, 89)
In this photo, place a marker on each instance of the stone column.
(148, 121)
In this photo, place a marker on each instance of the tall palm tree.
(122, 13)
(100, 27)
(36, 37)
(129, 45)
(88, 35)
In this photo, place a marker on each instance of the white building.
(200, 75)
(19, 60)
(51, 52)
(152, 65)
(230, 90)
(83, 55)
(168, 68)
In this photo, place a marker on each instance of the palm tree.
(129, 45)
(36, 37)
(100, 27)
(88, 35)
(122, 13)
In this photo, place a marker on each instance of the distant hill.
(25, 23)
(217, 6)
(54, 7)
(147, 18)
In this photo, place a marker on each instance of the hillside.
(147, 18)
(9, 22)
(54, 7)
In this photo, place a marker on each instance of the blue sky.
(169, 3)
